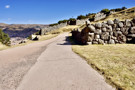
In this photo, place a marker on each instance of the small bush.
(105, 11)
(4, 38)
(62, 21)
(53, 24)
(81, 17)
(72, 19)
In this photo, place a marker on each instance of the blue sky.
(51, 11)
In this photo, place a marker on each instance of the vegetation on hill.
(4, 38)
(62, 21)
(81, 17)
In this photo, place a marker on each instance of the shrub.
(4, 38)
(81, 17)
(72, 19)
(105, 11)
(62, 21)
(53, 24)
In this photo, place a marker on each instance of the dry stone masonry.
(110, 32)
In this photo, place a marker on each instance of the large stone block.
(104, 29)
(110, 22)
(132, 30)
(111, 41)
(105, 36)
(98, 25)
(128, 23)
(98, 31)
(109, 28)
(97, 36)
(120, 24)
(116, 21)
(92, 28)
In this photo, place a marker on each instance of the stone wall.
(110, 32)
(81, 22)
(99, 16)
(51, 28)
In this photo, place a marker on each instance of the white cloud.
(7, 6)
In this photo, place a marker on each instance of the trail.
(59, 68)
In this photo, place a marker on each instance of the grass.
(122, 15)
(115, 62)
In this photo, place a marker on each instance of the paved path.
(58, 68)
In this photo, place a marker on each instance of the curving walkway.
(59, 68)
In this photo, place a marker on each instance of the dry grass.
(115, 62)
(2, 47)
(122, 15)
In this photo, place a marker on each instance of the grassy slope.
(115, 62)
(130, 14)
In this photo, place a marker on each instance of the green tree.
(4, 38)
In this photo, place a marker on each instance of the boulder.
(132, 30)
(98, 31)
(104, 29)
(101, 41)
(120, 24)
(109, 28)
(105, 36)
(94, 42)
(118, 29)
(131, 35)
(111, 41)
(116, 21)
(110, 22)
(97, 36)
(128, 23)
(133, 20)
(92, 28)
(98, 25)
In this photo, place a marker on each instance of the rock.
(92, 28)
(97, 36)
(132, 30)
(94, 42)
(133, 20)
(104, 29)
(98, 25)
(89, 43)
(122, 38)
(109, 28)
(120, 24)
(119, 32)
(127, 23)
(104, 25)
(111, 41)
(118, 29)
(131, 35)
(110, 22)
(105, 36)
(111, 33)
(98, 31)
(101, 41)
(116, 21)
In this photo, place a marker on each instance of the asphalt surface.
(59, 68)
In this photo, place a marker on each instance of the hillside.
(122, 15)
